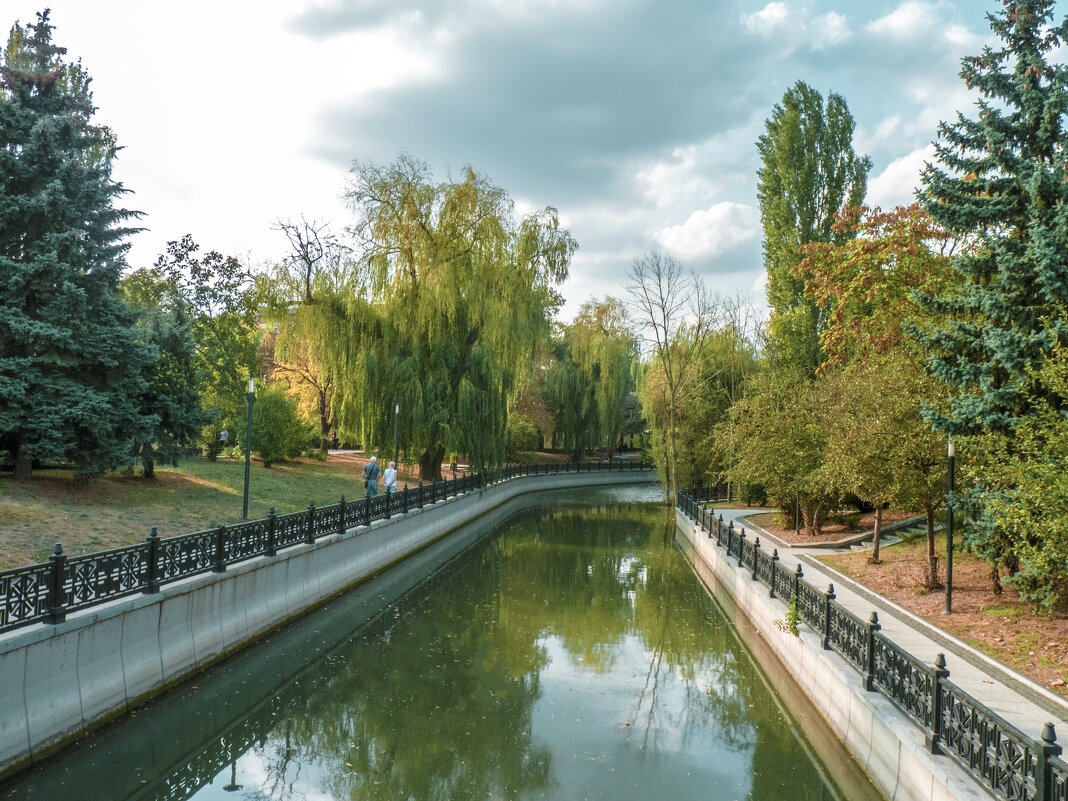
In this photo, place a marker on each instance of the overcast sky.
(635, 118)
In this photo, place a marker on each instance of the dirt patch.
(837, 528)
(1006, 628)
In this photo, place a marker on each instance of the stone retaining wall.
(886, 744)
(58, 681)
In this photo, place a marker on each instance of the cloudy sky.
(635, 118)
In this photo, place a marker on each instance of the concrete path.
(1019, 700)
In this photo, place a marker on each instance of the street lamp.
(396, 433)
(251, 398)
(949, 530)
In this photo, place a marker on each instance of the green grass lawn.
(117, 510)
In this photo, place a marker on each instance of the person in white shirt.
(390, 477)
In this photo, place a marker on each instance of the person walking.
(370, 477)
(389, 478)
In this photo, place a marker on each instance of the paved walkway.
(1020, 701)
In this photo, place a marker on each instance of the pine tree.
(70, 364)
(808, 171)
(1003, 182)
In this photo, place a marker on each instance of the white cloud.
(768, 20)
(795, 27)
(896, 185)
(829, 30)
(711, 231)
(913, 19)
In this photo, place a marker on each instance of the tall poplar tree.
(808, 171)
(71, 366)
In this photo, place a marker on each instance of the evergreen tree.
(1002, 182)
(171, 398)
(808, 171)
(70, 363)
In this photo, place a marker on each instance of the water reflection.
(573, 655)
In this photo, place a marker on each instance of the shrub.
(278, 431)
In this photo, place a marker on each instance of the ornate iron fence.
(1004, 760)
(48, 591)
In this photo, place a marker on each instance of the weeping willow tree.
(592, 377)
(306, 312)
(453, 297)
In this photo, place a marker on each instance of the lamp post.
(949, 530)
(396, 433)
(251, 398)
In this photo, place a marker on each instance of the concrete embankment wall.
(57, 681)
(887, 745)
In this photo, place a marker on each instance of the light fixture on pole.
(396, 433)
(949, 530)
(251, 398)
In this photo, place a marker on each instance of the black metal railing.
(1003, 759)
(46, 592)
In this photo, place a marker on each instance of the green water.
(571, 654)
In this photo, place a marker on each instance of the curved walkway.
(1019, 700)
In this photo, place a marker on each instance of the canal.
(569, 653)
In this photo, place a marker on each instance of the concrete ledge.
(883, 740)
(57, 681)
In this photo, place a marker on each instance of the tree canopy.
(454, 295)
(71, 365)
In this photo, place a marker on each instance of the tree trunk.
(995, 578)
(430, 463)
(148, 462)
(932, 581)
(877, 534)
(23, 460)
(324, 423)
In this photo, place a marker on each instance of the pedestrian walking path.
(1019, 700)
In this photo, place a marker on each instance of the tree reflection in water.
(572, 654)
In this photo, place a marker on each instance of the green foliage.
(1027, 476)
(791, 619)
(220, 298)
(278, 431)
(522, 438)
(171, 398)
(591, 378)
(455, 297)
(305, 308)
(776, 438)
(71, 365)
(808, 171)
(999, 180)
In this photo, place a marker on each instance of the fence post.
(869, 675)
(309, 535)
(272, 550)
(220, 550)
(420, 493)
(56, 612)
(367, 511)
(730, 537)
(827, 598)
(389, 504)
(152, 568)
(404, 505)
(1047, 748)
(798, 575)
(774, 570)
(756, 556)
(934, 736)
(341, 516)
